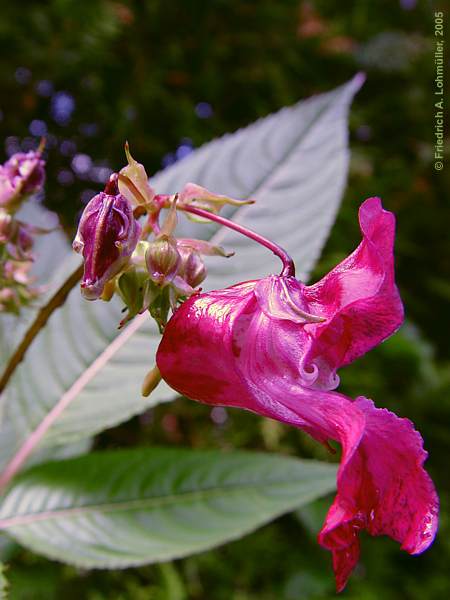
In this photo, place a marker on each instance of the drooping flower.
(21, 175)
(273, 347)
(107, 235)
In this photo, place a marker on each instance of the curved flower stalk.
(274, 346)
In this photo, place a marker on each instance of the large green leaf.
(117, 509)
(45, 453)
(294, 163)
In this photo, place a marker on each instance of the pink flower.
(106, 237)
(273, 347)
(21, 175)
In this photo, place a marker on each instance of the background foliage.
(170, 76)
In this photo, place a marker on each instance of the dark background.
(169, 76)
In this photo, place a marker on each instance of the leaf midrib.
(151, 502)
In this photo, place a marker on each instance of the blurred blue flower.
(100, 174)
(204, 110)
(62, 107)
(183, 151)
(68, 148)
(38, 128)
(81, 163)
(65, 177)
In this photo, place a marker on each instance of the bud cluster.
(22, 175)
(145, 264)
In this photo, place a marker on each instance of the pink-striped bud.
(107, 235)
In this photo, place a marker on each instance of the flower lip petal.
(383, 488)
(251, 346)
(221, 348)
(359, 296)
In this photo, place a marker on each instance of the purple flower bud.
(107, 236)
(21, 175)
(192, 269)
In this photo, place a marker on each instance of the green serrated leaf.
(132, 507)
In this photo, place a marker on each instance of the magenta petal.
(359, 296)
(382, 488)
(222, 348)
(193, 334)
(256, 346)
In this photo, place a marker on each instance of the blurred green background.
(169, 76)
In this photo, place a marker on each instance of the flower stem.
(288, 264)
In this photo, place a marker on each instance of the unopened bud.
(106, 237)
(192, 268)
(163, 259)
(21, 175)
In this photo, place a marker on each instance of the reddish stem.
(288, 264)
